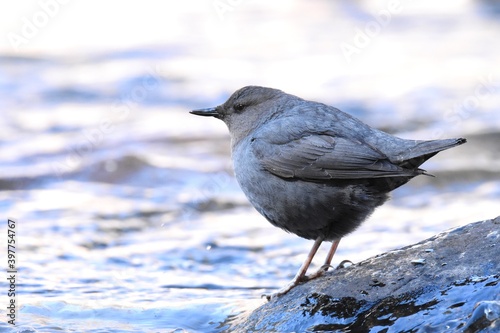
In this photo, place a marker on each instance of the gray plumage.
(312, 169)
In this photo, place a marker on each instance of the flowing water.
(128, 217)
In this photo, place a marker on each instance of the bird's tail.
(421, 151)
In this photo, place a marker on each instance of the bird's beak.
(206, 112)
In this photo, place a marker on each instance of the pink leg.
(301, 274)
(329, 257)
(327, 263)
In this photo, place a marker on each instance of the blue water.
(129, 218)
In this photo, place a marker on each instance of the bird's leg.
(327, 263)
(301, 274)
(331, 252)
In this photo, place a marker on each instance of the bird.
(313, 170)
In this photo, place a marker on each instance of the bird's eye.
(239, 107)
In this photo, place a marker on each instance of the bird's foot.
(323, 269)
(295, 282)
(292, 284)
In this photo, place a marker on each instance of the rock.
(447, 283)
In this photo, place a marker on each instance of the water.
(128, 216)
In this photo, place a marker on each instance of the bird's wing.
(317, 157)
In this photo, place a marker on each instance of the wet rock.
(453, 288)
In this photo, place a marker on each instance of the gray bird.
(312, 169)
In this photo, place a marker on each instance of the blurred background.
(128, 215)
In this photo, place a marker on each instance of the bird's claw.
(344, 264)
(296, 282)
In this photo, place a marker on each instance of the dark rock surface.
(447, 283)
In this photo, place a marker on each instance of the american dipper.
(312, 169)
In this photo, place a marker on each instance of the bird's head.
(245, 110)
